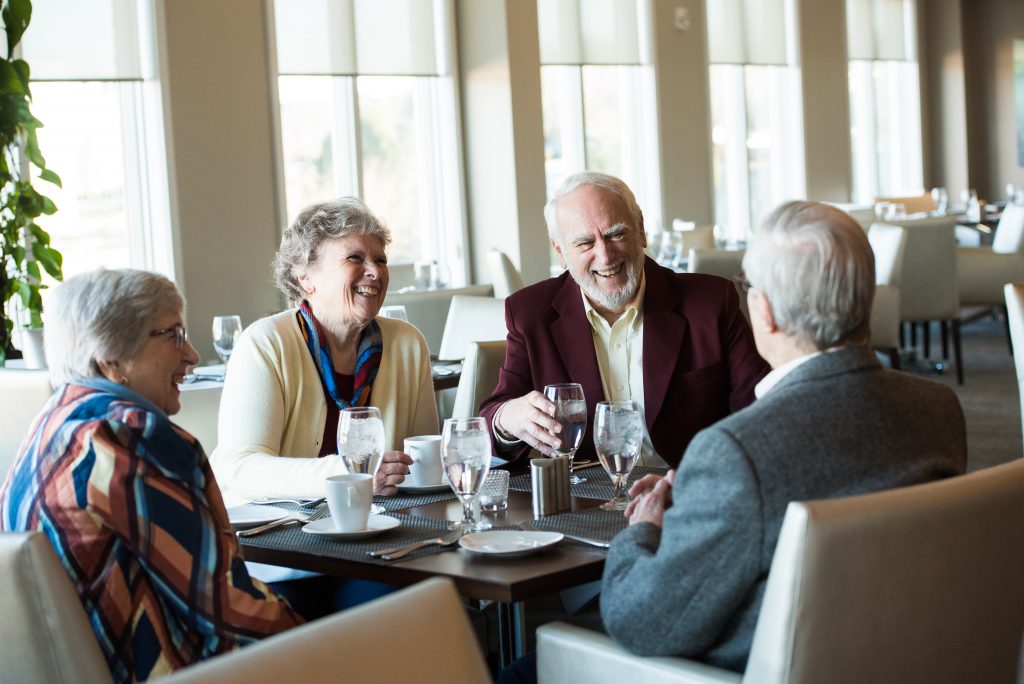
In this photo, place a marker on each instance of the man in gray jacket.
(688, 575)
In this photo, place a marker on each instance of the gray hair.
(814, 264)
(300, 244)
(103, 316)
(598, 180)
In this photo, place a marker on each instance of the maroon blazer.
(700, 363)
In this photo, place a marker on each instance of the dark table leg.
(511, 632)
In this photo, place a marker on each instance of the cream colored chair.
(928, 284)
(471, 319)
(983, 271)
(918, 584)
(47, 637)
(428, 309)
(480, 371)
(1015, 320)
(199, 410)
(720, 262)
(506, 276)
(889, 246)
(24, 393)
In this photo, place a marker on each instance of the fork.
(321, 512)
(397, 552)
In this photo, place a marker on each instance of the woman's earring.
(123, 380)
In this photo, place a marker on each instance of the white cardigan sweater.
(273, 412)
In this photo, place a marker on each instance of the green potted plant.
(25, 250)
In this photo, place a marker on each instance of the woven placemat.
(400, 500)
(598, 485)
(412, 529)
(592, 523)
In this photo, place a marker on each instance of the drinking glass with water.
(361, 441)
(571, 414)
(618, 436)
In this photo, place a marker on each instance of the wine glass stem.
(467, 512)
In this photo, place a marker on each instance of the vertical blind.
(361, 37)
(83, 40)
(581, 32)
(747, 32)
(880, 29)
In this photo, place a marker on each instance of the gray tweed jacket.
(838, 425)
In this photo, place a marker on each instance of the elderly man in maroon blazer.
(624, 328)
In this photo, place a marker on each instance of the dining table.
(507, 581)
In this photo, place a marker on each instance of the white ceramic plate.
(374, 525)
(250, 515)
(508, 543)
(410, 488)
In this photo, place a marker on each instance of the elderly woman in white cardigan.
(291, 374)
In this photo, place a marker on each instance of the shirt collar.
(769, 381)
(632, 311)
(110, 387)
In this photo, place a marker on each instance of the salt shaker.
(543, 486)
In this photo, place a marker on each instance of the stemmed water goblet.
(618, 436)
(466, 455)
(361, 441)
(571, 413)
(226, 330)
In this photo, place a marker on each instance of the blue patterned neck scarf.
(368, 356)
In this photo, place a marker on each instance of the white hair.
(599, 180)
(814, 264)
(103, 315)
(300, 243)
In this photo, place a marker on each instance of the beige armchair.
(479, 377)
(506, 276)
(720, 262)
(983, 271)
(47, 637)
(888, 243)
(917, 584)
(1015, 321)
(24, 392)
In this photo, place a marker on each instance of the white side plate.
(250, 515)
(374, 525)
(508, 543)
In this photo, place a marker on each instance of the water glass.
(571, 413)
(494, 491)
(226, 331)
(361, 441)
(618, 436)
(466, 455)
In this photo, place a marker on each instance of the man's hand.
(529, 418)
(646, 484)
(394, 467)
(650, 507)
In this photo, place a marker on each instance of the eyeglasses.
(178, 331)
(741, 280)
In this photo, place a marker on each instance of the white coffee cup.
(426, 468)
(349, 497)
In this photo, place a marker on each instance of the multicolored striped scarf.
(371, 346)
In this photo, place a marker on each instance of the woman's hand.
(393, 469)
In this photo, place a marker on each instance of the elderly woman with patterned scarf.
(126, 497)
(291, 373)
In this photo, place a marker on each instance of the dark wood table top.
(508, 580)
(446, 375)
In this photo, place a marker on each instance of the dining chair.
(916, 584)
(506, 276)
(47, 636)
(1015, 320)
(428, 309)
(982, 272)
(480, 371)
(32, 390)
(888, 243)
(720, 262)
(471, 319)
(200, 407)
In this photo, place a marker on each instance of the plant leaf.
(48, 175)
(17, 14)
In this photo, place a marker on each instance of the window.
(598, 95)
(95, 90)
(367, 108)
(756, 114)
(885, 103)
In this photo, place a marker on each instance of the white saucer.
(250, 515)
(508, 543)
(374, 525)
(409, 488)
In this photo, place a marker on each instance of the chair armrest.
(567, 653)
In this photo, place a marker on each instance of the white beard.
(610, 301)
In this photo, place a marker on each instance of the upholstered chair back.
(471, 319)
(1009, 235)
(1015, 320)
(479, 377)
(506, 276)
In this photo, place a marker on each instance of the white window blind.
(880, 30)
(84, 40)
(360, 37)
(747, 32)
(591, 32)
